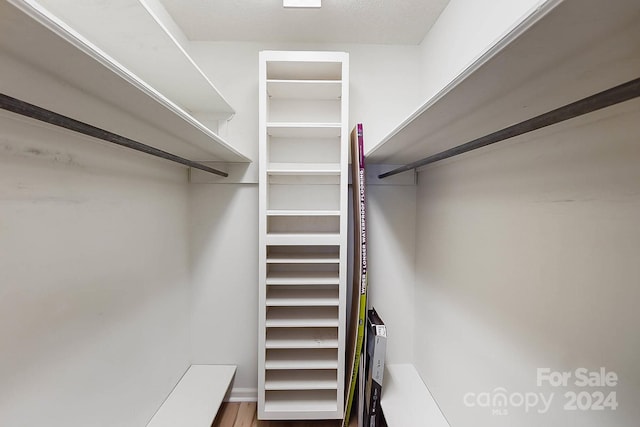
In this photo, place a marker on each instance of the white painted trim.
(242, 394)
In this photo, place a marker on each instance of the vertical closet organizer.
(303, 125)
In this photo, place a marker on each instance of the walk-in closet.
(177, 223)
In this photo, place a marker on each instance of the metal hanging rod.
(604, 99)
(29, 110)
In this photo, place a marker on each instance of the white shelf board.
(406, 401)
(196, 398)
(134, 33)
(303, 239)
(304, 65)
(299, 296)
(304, 89)
(311, 181)
(302, 317)
(302, 359)
(301, 380)
(304, 130)
(46, 63)
(281, 338)
(303, 169)
(302, 212)
(535, 68)
(302, 258)
(303, 278)
(301, 403)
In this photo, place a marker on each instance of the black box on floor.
(376, 350)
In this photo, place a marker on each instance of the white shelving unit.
(303, 234)
(45, 62)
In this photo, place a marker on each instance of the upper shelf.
(560, 54)
(304, 130)
(143, 37)
(46, 63)
(304, 89)
(284, 65)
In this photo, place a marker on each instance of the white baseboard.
(239, 394)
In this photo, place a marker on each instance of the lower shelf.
(321, 358)
(301, 401)
(302, 380)
(309, 239)
(302, 296)
(301, 317)
(303, 254)
(303, 278)
(302, 338)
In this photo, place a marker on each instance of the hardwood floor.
(244, 415)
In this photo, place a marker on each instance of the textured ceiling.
(338, 21)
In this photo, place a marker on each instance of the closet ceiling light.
(302, 3)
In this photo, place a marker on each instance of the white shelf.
(315, 401)
(406, 401)
(303, 169)
(46, 63)
(301, 380)
(535, 68)
(303, 278)
(304, 89)
(196, 398)
(303, 239)
(311, 181)
(287, 296)
(305, 258)
(302, 359)
(302, 212)
(280, 338)
(303, 254)
(304, 130)
(307, 65)
(143, 37)
(302, 317)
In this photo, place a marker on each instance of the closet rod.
(29, 110)
(604, 99)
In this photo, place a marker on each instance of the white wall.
(94, 293)
(391, 218)
(527, 257)
(224, 247)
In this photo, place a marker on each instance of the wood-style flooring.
(244, 415)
